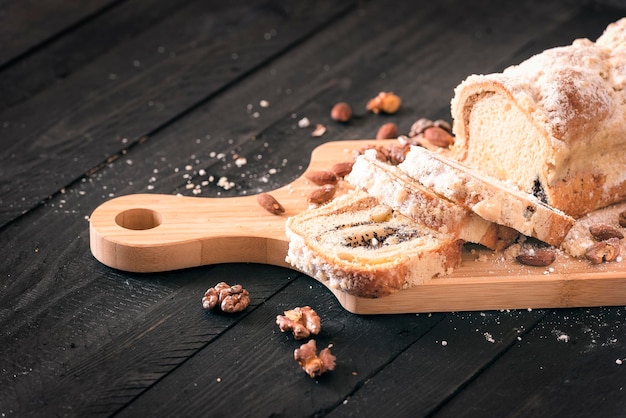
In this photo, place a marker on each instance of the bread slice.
(494, 200)
(367, 249)
(395, 188)
(554, 125)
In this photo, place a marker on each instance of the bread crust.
(567, 142)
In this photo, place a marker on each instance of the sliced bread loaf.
(554, 125)
(395, 188)
(366, 249)
(494, 200)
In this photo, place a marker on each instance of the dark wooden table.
(103, 98)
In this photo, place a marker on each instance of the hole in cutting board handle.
(138, 219)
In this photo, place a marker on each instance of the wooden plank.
(250, 371)
(75, 47)
(149, 340)
(110, 103)
(26, 24)
(55, 288)
(570, 364)
(148, 233)
(439, 365)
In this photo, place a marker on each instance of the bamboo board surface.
(155, 232)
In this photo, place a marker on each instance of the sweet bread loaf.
(554, 125)
(367, 249)
(396, 189)
(494, 200)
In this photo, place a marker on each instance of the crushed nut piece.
(312, 363)
(301, 321)
(621, 218)
(341, 112)
(319, 130)
(228, 298)
(387, 131)
(607, 250)
(270, 204)
(603, 232)
(385, 102)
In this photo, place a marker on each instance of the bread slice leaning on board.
(398, 190)
(497, 201)
(554, 125)
(366, 249)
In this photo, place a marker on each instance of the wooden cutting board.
(155, 232)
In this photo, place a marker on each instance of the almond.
(537, 257)
(341, 112)
(270, 204)
(322, 194)
(322, 177)
(342, 169)
(387, 131)
(603, 232)
(438, 136)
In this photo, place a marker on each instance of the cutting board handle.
(156, 232)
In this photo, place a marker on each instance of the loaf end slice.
(363, 247)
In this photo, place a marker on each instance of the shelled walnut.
(312, 363)
(227, 298)
(301, 321)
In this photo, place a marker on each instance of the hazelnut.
(341, 112)
(387, 131)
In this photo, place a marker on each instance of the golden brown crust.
(570, 104)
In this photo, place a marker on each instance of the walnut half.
(312, 363)
(301, 321)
